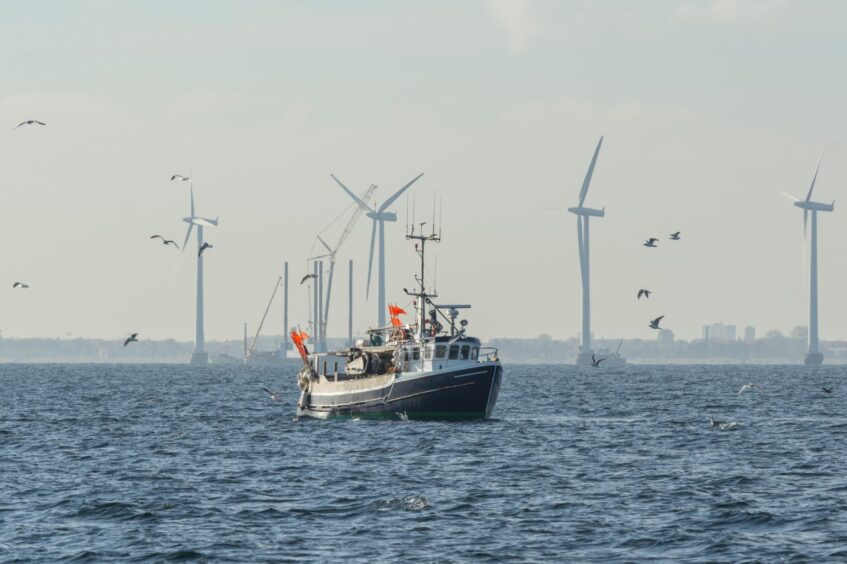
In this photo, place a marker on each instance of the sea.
(128, 463)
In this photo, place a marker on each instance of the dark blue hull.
(466, 393)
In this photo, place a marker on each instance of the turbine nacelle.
(382, 216)
(815, 206)
(588, 211)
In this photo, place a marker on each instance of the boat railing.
(488, 354)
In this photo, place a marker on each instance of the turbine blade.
(815, 177)
(805, 223)
(187, 235)
(356, 198)
(585, 183)
(396, 195)
(370, 260)
(790, 197)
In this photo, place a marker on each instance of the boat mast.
(421, 296)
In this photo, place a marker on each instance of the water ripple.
(180, 463)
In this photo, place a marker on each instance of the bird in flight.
(651, 242)
(655, 323)
(303, 280)
(131, 339)
(180, 177)
(30, 122)
(749, 388)
(165, 241)
(272, 394)
(20, 285)
(203, 248)
(643, 292)
(827, 390)
(595, 362)
(675, 236)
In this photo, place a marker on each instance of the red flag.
(395, 310)
(298, 337)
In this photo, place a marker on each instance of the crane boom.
(262, 322)
(357, 213)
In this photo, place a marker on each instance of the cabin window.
(408, 356)
(454, 352)
(416, 353)
(440, 350)
(466, 352)
(428, 353)
(474, 353)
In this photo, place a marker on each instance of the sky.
(710, 110)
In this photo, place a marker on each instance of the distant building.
(718, 332)
(665, 337)
(749, 334)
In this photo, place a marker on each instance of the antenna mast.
(421, 296)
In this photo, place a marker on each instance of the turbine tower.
(814, 357)
(379, 217)
(582, 216)
(199, 356)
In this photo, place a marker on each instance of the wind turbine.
(379, 217)
(814, 357)
(583, 214)
(199, 356)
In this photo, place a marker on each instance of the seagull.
(749, 387)
(595, 362)
(131, 339)
(165, 241)
(20, 285)
(675, 236)
(651, 242)
(180, 177)
(203, 248)
(302, 280)
(643, 292)
(655, 323)
(272, 394)
(30, 122)
(722, 425)
(827, 390)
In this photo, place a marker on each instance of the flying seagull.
(651, 242)
(595, 362)
(180, 177)
(131, 339)
(30, 122)
(655, 323)
(272, 394)
(20, 285)
(675, 236)
(643, 292)
(303, 280)
(827, 390)
(165, 241)
(750, 387)
(203, 248)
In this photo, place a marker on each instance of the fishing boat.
(428, 369)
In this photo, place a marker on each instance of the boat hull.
(468, 393)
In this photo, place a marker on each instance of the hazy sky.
(710, 109)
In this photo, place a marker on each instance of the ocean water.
(151, 462)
